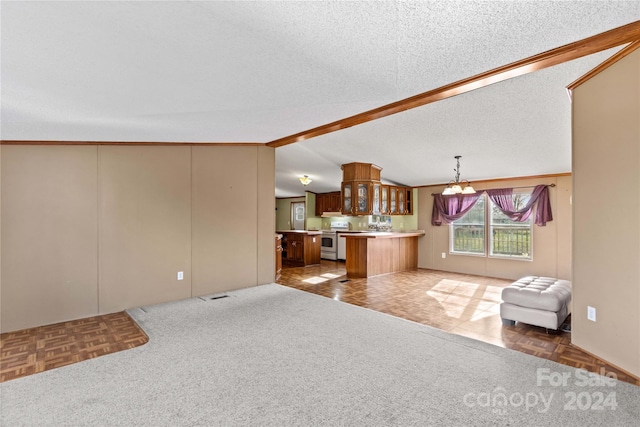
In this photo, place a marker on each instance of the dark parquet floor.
(34, 350)
(457, 303)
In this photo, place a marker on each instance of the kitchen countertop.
(307, 232)
(386, 234)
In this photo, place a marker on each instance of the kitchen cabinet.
(327, 202)
(376, 202)
(400, 201)
(278, 256)
(301, 248)
(364, 194)
(357, 198)
(363, 201)
(384, 200)
(295, 247)
(347, 207)
(334, 205)
(358, 181)
(393, 200)
(409, 201)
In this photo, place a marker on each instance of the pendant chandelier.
(305, 180)
(455, 186)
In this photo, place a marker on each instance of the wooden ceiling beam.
(590, 45)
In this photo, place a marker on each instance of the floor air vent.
(344, 281)
(219, 297)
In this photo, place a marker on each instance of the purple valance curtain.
(503, 199)
(451, 208)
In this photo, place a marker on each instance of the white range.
(331, 243)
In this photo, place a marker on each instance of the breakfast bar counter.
(371, 254)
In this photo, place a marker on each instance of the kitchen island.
(371, 254)
(300, 247)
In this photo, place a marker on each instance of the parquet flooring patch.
(34, 350)
(457, 303)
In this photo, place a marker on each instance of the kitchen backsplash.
(398, 222)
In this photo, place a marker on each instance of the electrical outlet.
(444, 255)
(180, 275)
(591, 313)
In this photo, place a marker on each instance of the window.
(510, 238)
(468, 233)
(501, 237)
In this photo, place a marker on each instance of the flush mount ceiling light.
(455, 187)
(305, 180)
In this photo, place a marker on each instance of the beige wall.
(98, 229)
(144, 225)
(212, 239)
(266, 214)
(606, 215)
(49, 235)
(551, 244)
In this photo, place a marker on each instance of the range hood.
(330, 214)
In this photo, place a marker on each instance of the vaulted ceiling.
(205, 71)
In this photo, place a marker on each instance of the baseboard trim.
(634, 376)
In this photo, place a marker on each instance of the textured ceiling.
(258, 71)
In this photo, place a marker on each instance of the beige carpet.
(276, 356)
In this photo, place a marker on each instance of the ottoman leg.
(508, 322)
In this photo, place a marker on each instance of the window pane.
(467, 233)
(509, 238)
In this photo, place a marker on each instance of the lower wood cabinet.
(300, 248)
(278, 256)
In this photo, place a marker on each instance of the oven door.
(329, 246)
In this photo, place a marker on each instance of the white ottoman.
(539, 301)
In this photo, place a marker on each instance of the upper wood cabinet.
(396, 200)
(363, 194)
(393, 200)
(359, 181)
(347, 205)
(408, 201)
(334, 205)
(376, 201)
(327, 202)
(384, 200)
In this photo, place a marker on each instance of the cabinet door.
(319, 204)
(393, 201)
(296, 247)
(401, 205)
(278, 258)
(347, 200)
(363, 205)
(335, 202)
(409, 201)
(384, 199)
(376, 199)
(289, 247)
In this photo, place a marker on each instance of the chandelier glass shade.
(456, 185)
(305, 180)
